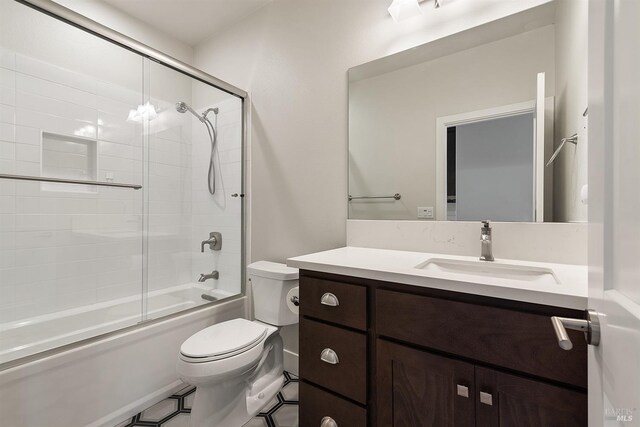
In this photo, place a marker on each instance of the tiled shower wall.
(64, 246)
(169, 181)
(219, 212)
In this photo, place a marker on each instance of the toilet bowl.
(237, 365)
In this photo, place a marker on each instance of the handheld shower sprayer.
(183, 107)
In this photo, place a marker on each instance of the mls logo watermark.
(619, 414)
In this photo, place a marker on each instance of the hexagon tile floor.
(174, 411)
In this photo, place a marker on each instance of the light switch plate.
(425, 212)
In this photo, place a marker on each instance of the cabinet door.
(417, 389)
(510, 401)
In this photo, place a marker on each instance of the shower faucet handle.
(214, 241)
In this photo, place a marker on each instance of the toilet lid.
(224, 339)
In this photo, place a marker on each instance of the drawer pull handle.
(486, 398)
(329, 356)
(462, 390)
(328, 422)
(330, 300)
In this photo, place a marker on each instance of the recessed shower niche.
(69, 157)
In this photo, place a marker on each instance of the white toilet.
(237, 365)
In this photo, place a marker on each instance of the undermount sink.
(497, 269)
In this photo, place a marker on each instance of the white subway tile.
(54, 124)
(38, 86)
(55, 107)
(7, 240)
(28, 153)
(53, 73)
(27, 167)
(7, 96)
(7, 78)
(27, 205)
(28, 135)
(7, 150)
(7, 222)
(7, 260)
(131, 96)
(7, 114)
(7, 132)
(7, 58)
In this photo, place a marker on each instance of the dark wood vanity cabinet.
(419, 388)
(417, 357)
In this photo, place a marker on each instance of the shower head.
(183, 107)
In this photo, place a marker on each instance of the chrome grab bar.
(396, 196)
(69, 181)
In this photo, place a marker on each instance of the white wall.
(570, 170)
(134, 28)
(392, 117)
(293, 56)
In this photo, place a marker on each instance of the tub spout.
(214, 275)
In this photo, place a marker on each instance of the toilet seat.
(222, 341)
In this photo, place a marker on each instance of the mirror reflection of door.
(493, 174)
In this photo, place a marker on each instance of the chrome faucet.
(214, 241)
(486, 250)
(214, 275)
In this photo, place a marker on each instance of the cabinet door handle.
(328, 422)
(330, 300)
(462, 390)
(329, 356)
(486, 398)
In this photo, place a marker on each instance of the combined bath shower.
(183, 107)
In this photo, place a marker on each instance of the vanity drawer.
(334, 358)
(517, 340)
(334, 302)
(316, 404)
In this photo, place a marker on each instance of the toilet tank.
(270, 283)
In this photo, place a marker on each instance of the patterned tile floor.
(174, 411)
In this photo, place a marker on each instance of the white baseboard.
(138, 406)
(291, 362)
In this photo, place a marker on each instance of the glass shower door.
(70, 252)
(194, 169)
(108, 189)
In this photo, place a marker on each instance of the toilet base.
(232, 403)
(208, 412)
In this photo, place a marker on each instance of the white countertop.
(399, 267)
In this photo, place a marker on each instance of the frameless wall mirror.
(462, 128)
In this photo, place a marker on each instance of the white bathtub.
(102, 382)
(29, 336)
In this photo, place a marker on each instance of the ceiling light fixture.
(401, 10)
